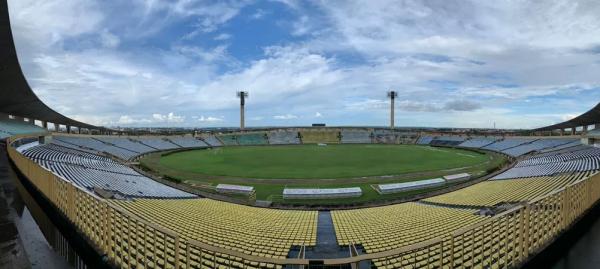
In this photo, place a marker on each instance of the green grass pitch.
(312, 161)
(270, 169)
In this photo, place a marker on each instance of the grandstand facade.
(136, 222)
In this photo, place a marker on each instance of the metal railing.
(505, 240)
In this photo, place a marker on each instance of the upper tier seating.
(478, 142)
(124, 142)
(356, 136)
(211, 140)
(537, 145)
(548, 169)
(159, 143)
(89, 171)
(563, 155)
(493, 192)
(315, 137)
(573, 159)
(283, 137)
(252, 139)
(13, 127)
(390, 227)
(251, 230)
(507, 143)
(97, 145)
(187, 142)
(564, 146)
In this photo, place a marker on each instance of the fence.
(505, 240)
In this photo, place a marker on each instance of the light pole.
(392, 95)
(242, 95)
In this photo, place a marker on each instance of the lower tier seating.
(283, 137)
(356, 136)
(211, 140)
(252, 139)
(384, 228)
(494, 192)
(187, 142)
(314, 137)
(255, 231)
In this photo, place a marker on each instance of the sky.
(518, 64)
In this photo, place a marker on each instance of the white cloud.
(222, 36)
(258, 14)
(109, 40)
(49, 22)
(169, 118)
(450, 62)
(285, 117)
(210, 119)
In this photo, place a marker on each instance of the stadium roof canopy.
(585, 119)
(16, 97)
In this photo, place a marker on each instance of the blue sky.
(520, 64)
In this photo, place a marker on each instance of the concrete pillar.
(32, 121)
(45, 124)
(68, 129)
(17, 118)
(573, 130)
(562, 132)
(56, 127)
(585, 129)
(79, 130)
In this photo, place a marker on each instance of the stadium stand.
(254, 231)
(384, 228)
(565, 146)
(315, 137)
(385, 136)
(478, 142)
(12, 127)
(537, 145)
(123, 142)
(252, 139)
(97, 145)
(187, 142)
(424, 140)
(92, 171)
(507, 143)
(548, 169)
(211, 140)
(283, 137)
(562, 155)
(447, 140)
(494, 192)
(159, 143)
(229, 139)
(355, 136)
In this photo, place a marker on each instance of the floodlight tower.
(242, 95)
(392, 95)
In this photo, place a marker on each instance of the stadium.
(295, 196)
